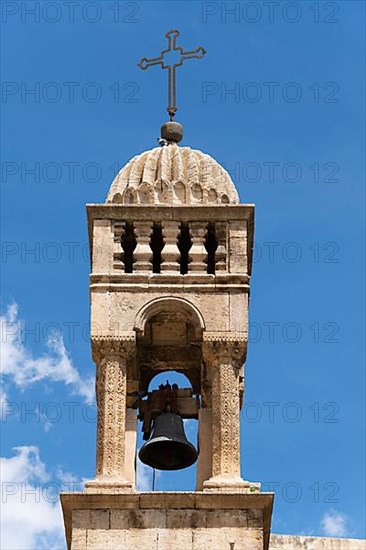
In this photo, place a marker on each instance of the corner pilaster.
(224, 355)
(111, 355)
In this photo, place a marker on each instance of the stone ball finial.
(172, 131)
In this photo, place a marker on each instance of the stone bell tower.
(171, 262)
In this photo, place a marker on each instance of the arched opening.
(169, 349)
(149, 479)
(169, 337)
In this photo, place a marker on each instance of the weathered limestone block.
(137, 539)
(238, 313)
(168, 540)
(227, 538)
(254, 517)
(101, 539)
(137, 519)
(91, 519)
(186, 519)
(103, 247)
(78, 539)
(227, 518)
(238, 247)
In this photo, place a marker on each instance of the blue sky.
(278, 99)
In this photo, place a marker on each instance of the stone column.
(111, 355)
(224, 355)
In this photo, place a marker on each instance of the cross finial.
(170, 59)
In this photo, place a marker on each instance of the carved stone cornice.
(224, 347)
(113, 347)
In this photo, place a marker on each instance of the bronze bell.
(168, 447)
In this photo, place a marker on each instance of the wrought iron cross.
(170, 59)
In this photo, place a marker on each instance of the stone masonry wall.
(293, 542)
(167, 530)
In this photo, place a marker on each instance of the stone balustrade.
(206, 240)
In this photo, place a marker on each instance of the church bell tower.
(171, 258)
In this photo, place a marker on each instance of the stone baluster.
(118, 229)
(221, 251)
(143, 253)
(111, 357)
(170, 254)
(198, 253)
(224, 357)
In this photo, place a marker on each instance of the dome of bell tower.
(173, 175)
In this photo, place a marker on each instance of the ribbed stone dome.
(173, 175)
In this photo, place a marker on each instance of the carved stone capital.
(113, 347)
(224, 347)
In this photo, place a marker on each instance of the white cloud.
(31, 515)
(144, 475)
(3, 399)
(19, 366)
(334, 524)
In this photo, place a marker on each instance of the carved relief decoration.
(224, 355)
(111, 357)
